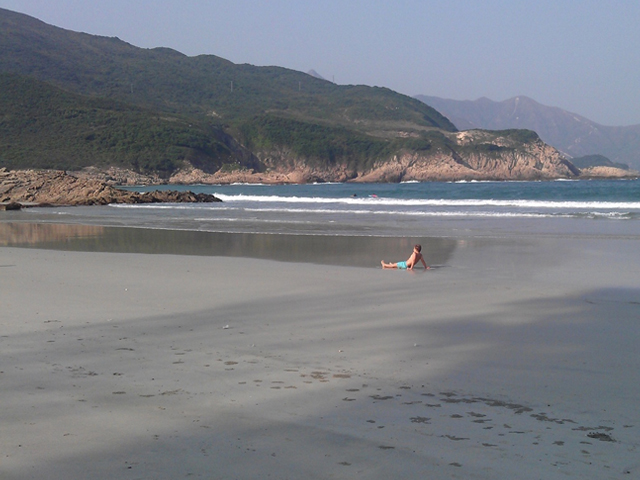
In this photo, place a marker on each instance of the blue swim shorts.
(402, 265)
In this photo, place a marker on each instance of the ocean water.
(596, 207)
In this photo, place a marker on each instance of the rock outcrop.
(607, 172)
(499, 158)
(53, 187)
(118, 176)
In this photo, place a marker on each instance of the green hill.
(42, 126)
(207, 85)
(71, 100)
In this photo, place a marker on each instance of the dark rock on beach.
(54, 187)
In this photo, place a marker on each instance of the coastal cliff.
(472, 155)
(496, 159)
(52, 187)
(475, 155)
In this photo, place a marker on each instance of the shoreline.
(517, 358)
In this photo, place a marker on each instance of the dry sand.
(516, 359)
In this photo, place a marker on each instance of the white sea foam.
(433, 213)
(432, 202)
(173, 206)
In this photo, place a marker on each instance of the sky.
(580, 55)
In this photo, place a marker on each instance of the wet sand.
(354, 251)
(515, 358)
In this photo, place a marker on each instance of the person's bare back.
(411, 262)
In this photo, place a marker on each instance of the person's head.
(418, 248)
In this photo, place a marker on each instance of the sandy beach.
(513, 358)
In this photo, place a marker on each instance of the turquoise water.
(618, 191)
(609, 207)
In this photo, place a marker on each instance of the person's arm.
(424, 263)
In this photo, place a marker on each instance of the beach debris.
(420, 419)
(381, 397)
(454, 438)
(603, 437)
(225, 327)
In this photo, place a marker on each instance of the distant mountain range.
(572, 134)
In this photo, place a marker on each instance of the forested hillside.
(46, 127)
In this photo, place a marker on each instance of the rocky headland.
(54, 187)
(478, 155)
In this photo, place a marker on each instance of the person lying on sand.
(415, 257)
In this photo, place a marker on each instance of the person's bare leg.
(388, 265)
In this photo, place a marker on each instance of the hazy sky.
(579, 55)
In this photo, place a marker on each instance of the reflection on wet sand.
(24, 234)
(330, 250)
